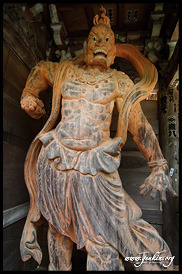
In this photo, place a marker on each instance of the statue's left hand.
(158, 180)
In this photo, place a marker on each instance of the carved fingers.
(168, 184)
(33, 106)
(158, 181)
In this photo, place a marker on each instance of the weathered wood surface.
(169, 140)
(73, 167)
(17, 77)
(12, 215)
(16, 136)
(22, 31)
(13, 177)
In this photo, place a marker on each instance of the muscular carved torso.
(87, 106)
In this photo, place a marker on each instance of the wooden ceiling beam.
(67, 7)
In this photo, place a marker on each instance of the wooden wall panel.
(75, 23)
(15, 120)
(14, 70)
(14, 188)
(19, 129)
(143, 15)
(25, 32)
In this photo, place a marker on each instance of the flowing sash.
(28, 244)
(141, 90)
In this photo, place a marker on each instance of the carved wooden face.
(100, 49)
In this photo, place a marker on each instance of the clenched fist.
(33, 106)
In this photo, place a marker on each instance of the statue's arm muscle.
(143, 135)
(146, 140)
(40, 77)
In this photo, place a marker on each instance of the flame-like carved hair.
(103, 18)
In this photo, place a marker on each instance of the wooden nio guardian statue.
(71, 170)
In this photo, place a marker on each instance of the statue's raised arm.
(40, 77)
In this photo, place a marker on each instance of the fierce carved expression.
(100, 50)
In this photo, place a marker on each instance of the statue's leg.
(102, 257)
(151, 244)
(147, 241)
(60, 250)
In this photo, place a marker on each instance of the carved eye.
(94, 38)
(107, 39)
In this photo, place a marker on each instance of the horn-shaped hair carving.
(104, 19)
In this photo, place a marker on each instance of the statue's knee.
(91, 248)
(102, 257)
(67, 243)
(111, 258)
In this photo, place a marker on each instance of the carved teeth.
(100, 51)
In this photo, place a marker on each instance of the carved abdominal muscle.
(86, 112)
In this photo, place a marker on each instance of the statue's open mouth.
(100, 53)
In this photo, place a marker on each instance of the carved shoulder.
(40, 77)
(124, 83)
(48, 69)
